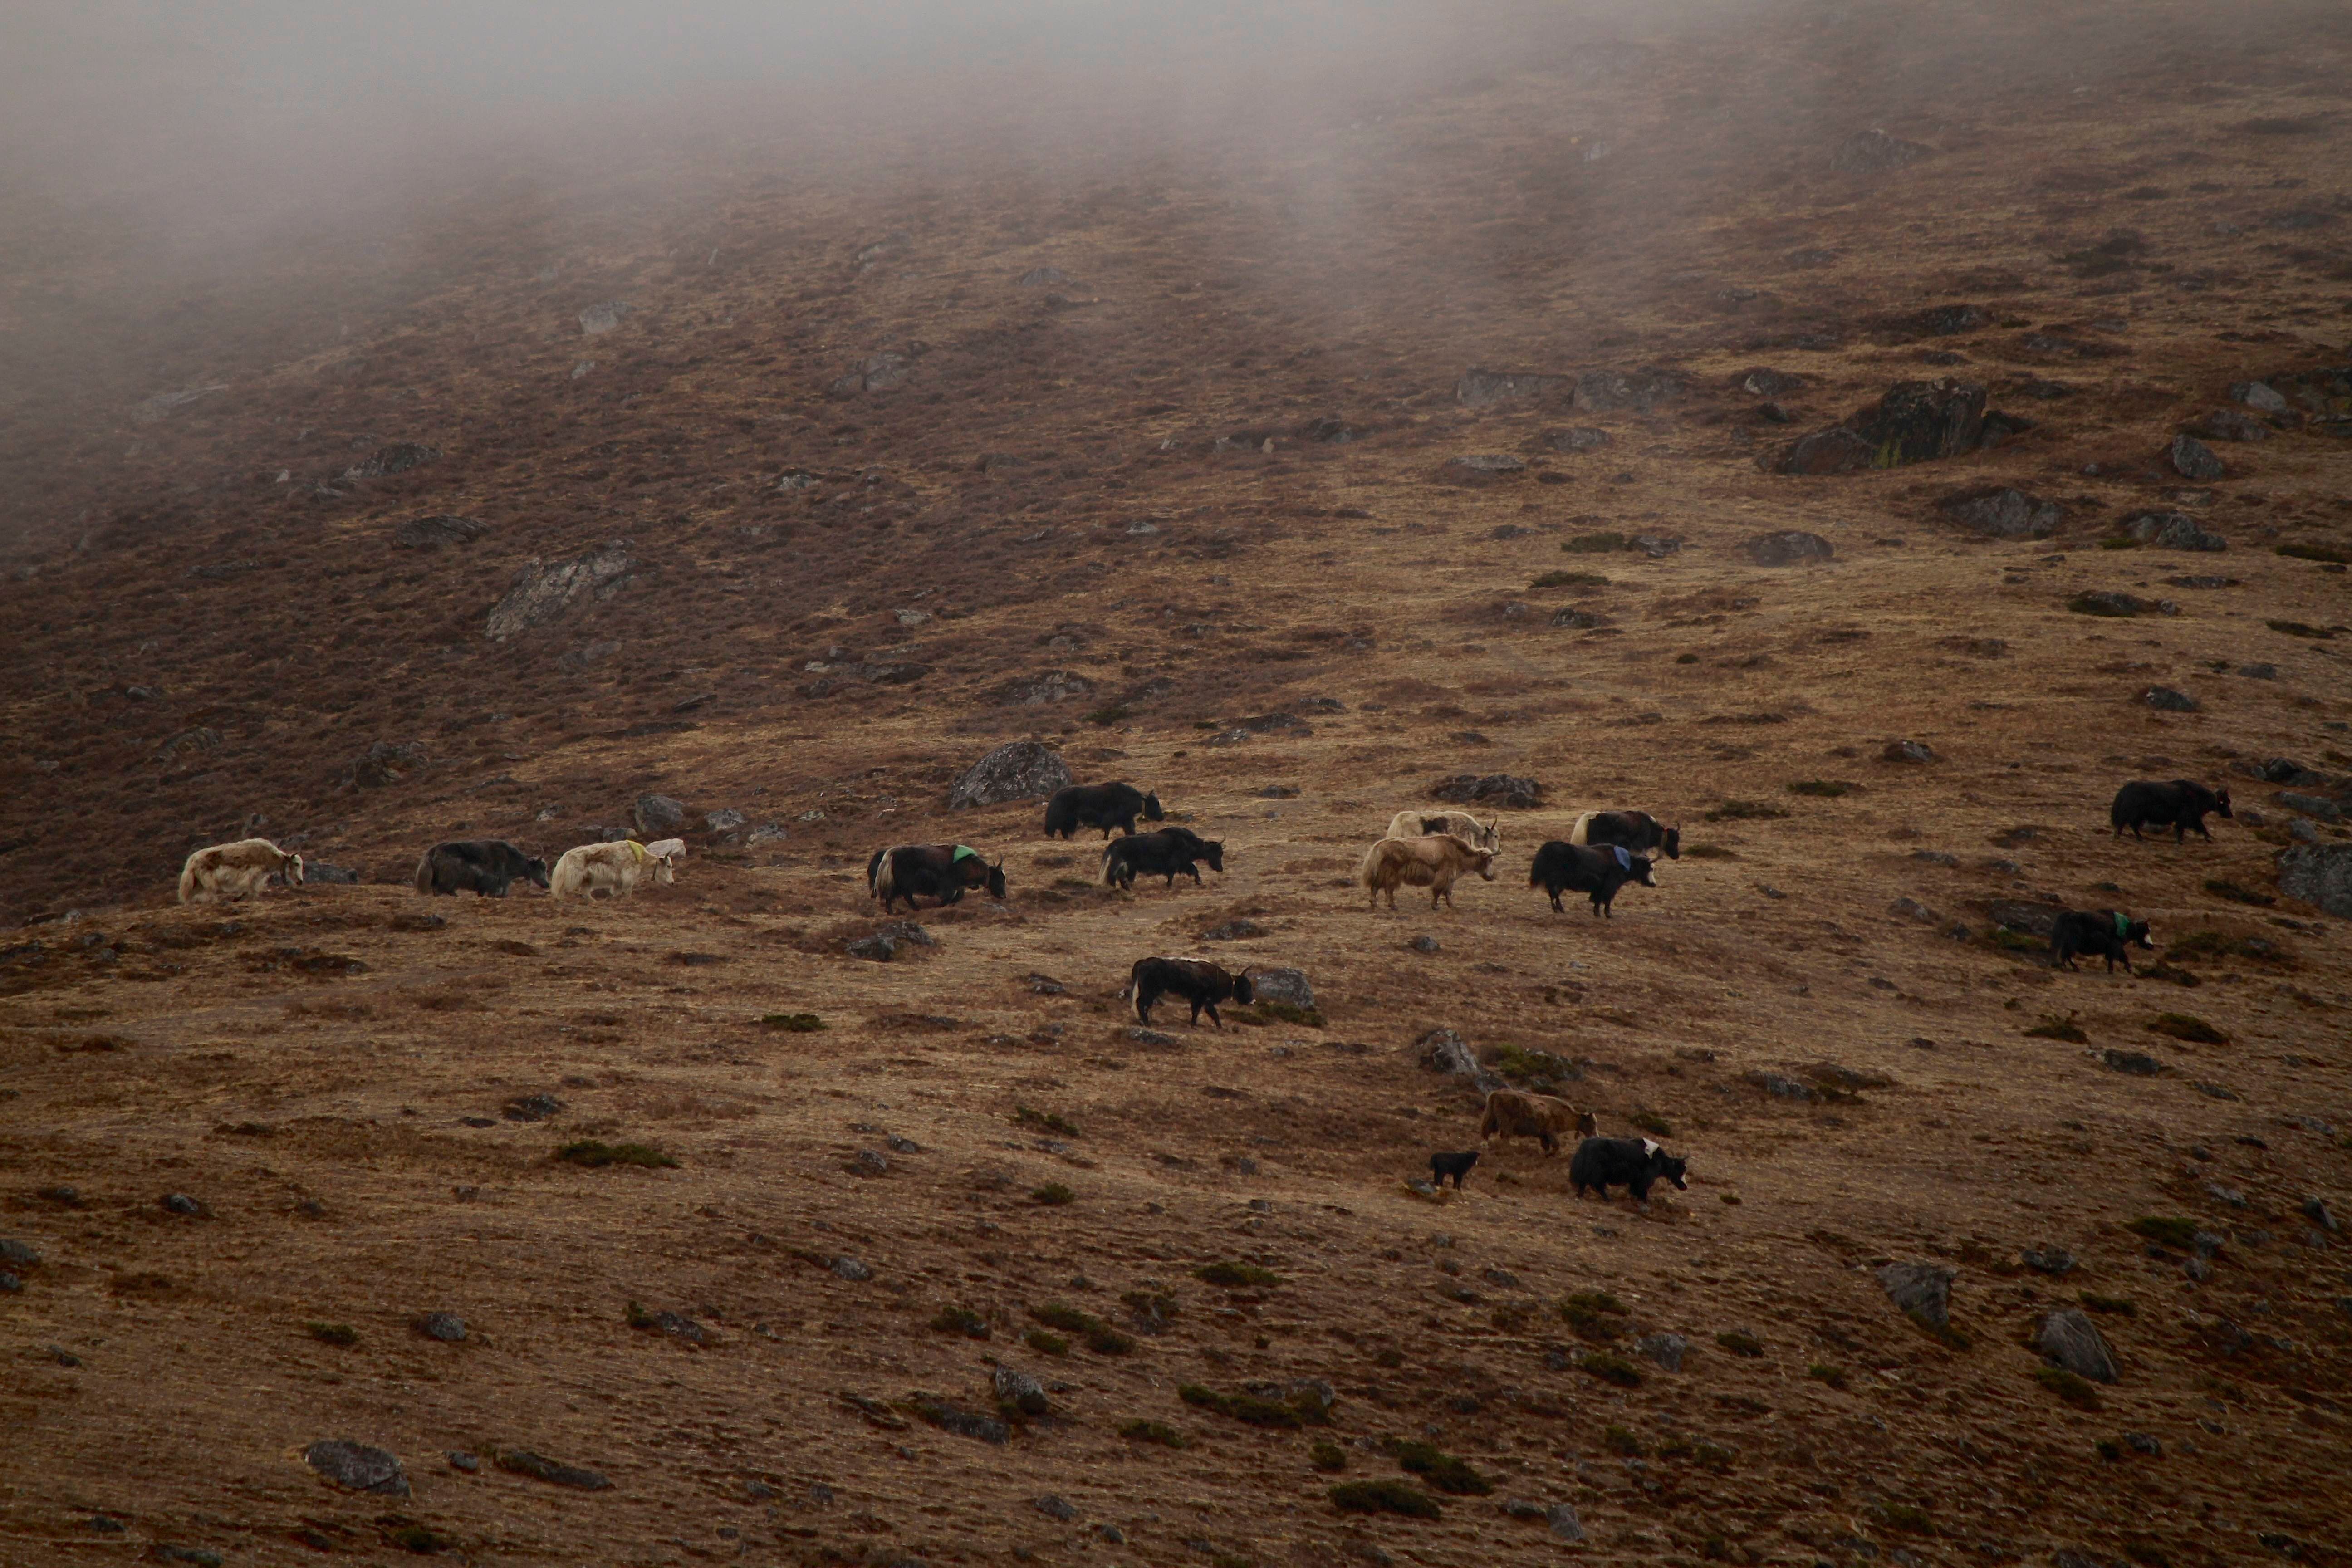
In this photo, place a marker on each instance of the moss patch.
(2187, 1026)
(590, 1152)
(1384, 1497)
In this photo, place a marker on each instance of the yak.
(1166, 853)
(1515, 1113)
(939, 871)
(1431, 860)
(1633, 1164)
(235, 870)
(484, 866)
(2180, 806)
(1636, 830)
(1103, 805)
(613, 869)
(1195, 980)
(1460, 824)
(2103, 933)
(1572, 868)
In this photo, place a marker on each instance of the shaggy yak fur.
(1167, 853)
(237, 870)
(1513, 1113)
(1571, 869)
(1455, 1166)
(1103, 805)
(942, 872)
(1629, 830)
(1632, 1164)
(2103, 933)
(1461, 824)
(484, 866)
(1431, 860)
(1193, 980)
(612, 869)
(2180, 806)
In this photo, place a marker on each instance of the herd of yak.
(1603, 851)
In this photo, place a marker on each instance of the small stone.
(2141, 1443)
(531, 1108)
(659, 815)
(1142, 1037)
(2259, 671)
(1923, 1291)
(446, 1327)
(1565, 1525)
(2138, 1064)
(903, 1145)
(2193, 459)
(2004, 513)
(9, 1283)
(461, 1461)
(1789, 547)
(1666, 1349)
(1907, 751)
(2068, 1339)
(1781, 1088)
(1422, 944)
(1020, 1391)
(1112, 1535)
(18, 1253)
(1053, 1507)
(1443, 1050)
(2047, 1260)
(2316, 1210)
(851, 1269)
(2172, 531)
(1285, 988)
(358, 1466)
(869, 1162)
(181, 1204)
(1912, 909)
(961, 1423)
(523, 1462)
(2165, 700)
(66, 1197)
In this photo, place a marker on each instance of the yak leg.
(1213, 1018)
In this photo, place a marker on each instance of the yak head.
(1152, 812)
(2221, 801)
(1483, 860)
(1642, 866)
(1215, 854)
(1243, 992)
(293, 870)
(535, 871)
(996, 880)
(2135, 933)
(1673, 842)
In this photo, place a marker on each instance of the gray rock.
(2317, 805)
(1578, 620)
(18, 1254)
(876, 372)
(531, 1108)
(543, 590)
(1912, 909)
(2005, 513)
(850, 1269)
(1443, 1050)
(1934, 857)
(1565, 1525)
(523, 1462)
(461, 1461)
(2172, 531)
(2193, 459)
(2316, 1210)
(2229, 424)
(1789, 547)
(2047, 1260)
(1781, 1088)
(899, 1145)
(2303, 832)
(1874, 151)
(1423, 943)
(1490, 789)
(727, 819)
(1907, 751)
(2318, 874)
(1137, 1034)
(960, 1422)
(1234, 930)
(1287, 987)
(2034, 919)
(1020, 1391)
(9, 1283)
(1479, 388)
(1923, 1291)
(434, 533)
(598, 319)
(446, 1327)
(1635, 391)
(2165, 700)
(659, 815)
(1579, 438)
(1042, 278)
(2068, 1339)
(384, 763)
(1023, 770)
(320, 871)
(396, 458)
(1666, 1349)
(2258, 671)
(2258, 394)
(1043, 690)
(358, 1466)
(1053, 1507)
(869, 1162)
(2138, 1064)
(181, 1204)
(2141, 1443)
(1482, 468)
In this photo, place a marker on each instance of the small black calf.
(1194, 980)
(1455, 1166)
(1633, 1164)
(2103, 933)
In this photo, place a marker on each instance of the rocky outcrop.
(1023, 770)
(2320, 875)
(1480, 388)
(1915, 422)
(1790, 547)
(2004, 513)
(544, 590)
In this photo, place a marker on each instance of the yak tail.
(1492, 1124)
(872, 866)
(188, 880)
(424, 878)
(1576, 833)
(881, 873)
(1109, 854)
(1367, 870)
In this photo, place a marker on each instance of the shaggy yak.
(1632, 1164)
(235, 870)
(1461, 824)
(1636, 830)
(1572, 868)
(1431, 860)
(2103, 933)
(1103, 805)
(1513, 1113)
(1167, 853)
(612, 869)
(1193, 980)
(484, 866)
(939, 871)
(2180, 806)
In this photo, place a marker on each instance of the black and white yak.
(941, 872)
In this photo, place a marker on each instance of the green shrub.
(1251, 1409)
(1685, 659)
(1707, 852)
(1291, 1013)
(1044, 1341)
(2073, 1390)
(1328, 1458)
(2298, 629)
(1110, 715)
(1053, 1194)
(960, 1320)
(1154, 1432)
(590, 1152)
(1611, 1367)
(1594, 543)
(1738, 1344)
(1820, 1371)
(2123, 1306)
(2010, 941)
(2222, 888)
(1828, 789)
(1620, 1441)
(332, 1333)
(2119, 541)
(1384, 1497)
(1231, 1276)
(1520, 1065)
(2185, 1027)
(2314, 553)
(1904, 1516)
(793, 1023)
(1447, 1472)
(1746, 811)
(2053, 1027)
(2167, 1230)
(1045, 1121)
(1650, 1121)
(1569, 580)
(1093, 1332)
(424, 1543)
(2101, 606)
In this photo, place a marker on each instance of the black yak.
(1166, 853)
(2103, 933)
(1572, 868)
(484, 866)
(1632, 1164)
(1103, 805)
(1628, 829)
(2180, 806)
(1194, 980)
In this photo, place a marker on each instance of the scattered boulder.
(1019, 1391)
(598, 319)
(1423, 943)
(725, 820)
(1915, 422)
(446, 1327)
(659, 815)
(1635, 391)
(1565, 1525)
(1288, 987)
(1478, 388)
(856, 1270)
(2165, 700)
(523, 1462)
(876, 372)
(959, 1422)
(358, 1466)
(2136, 1064)
(19, 1255)
(1443, 1050)
(1041, 690)
(2258, 394)
(531, 1108)
(543, 590)
(1666, 1349)
(1907, 751)
(385, 763)
(2317, 805)
(433, 533)
(1789, 547)
(1053, 1508)
(1765, 382)
(2052, 1260)
(2113, 604)
(2172, 531)
(2068, 1339)
(1912, 909)
(2033, 919)
(2229, 424)
(1874, 151)
(1921, 1290)
(2193, 459)
(181, 1204)
(1022, 769)
(1836, 450)
(1491, 789)
(1779, 1087)
(1481, 469)
(1043, 277)
(2318, 874)
(396, 458)
(2005, 513)
(322, 871)
(1579, 438)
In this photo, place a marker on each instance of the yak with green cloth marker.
(2102, 934)
(941, 872)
